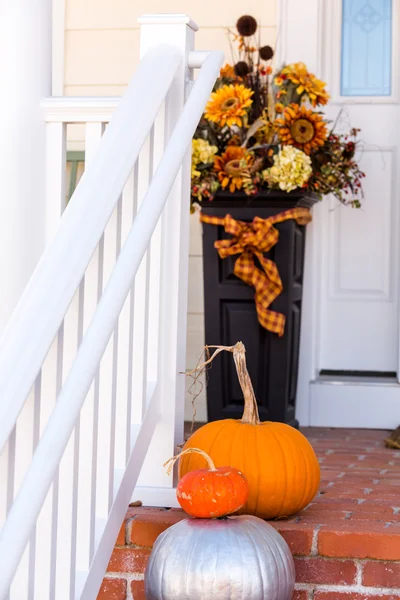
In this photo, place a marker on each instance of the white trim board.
(58, 47)
(160, 497)
(357, 404)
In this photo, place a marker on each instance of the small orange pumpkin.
(277, 460)
(211, 493)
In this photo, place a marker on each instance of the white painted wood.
(68, 254)
(359, 295)
(174, 263)
(65, 417)
(79, 110)
(196, 235)
(166, 437)
(25, 35)
(309, 347)
(157, 496)
(299, 32)
(50, 382)
(112, 526)
(359, 291)
(141, 296)
(196, 299)
(195, 396)
(58, 47)
(87, 465)
(108, 382)
(299, 39)
(159, 141)
(350, 304)
(21, 461)
(373, 405)
(55, 176)
(66, 486)
(131, 196)
(5, 476)
(125, 336)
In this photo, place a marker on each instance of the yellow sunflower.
(228, 105)
(302, 128)
(306, 83)
(233, 167)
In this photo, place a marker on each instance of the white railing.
(91, 394)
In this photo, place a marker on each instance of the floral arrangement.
(264, 130)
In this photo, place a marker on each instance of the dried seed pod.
(246, 26)
(242, 68)
(266, 52)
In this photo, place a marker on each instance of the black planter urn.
(230, 312)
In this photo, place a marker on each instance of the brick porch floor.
(346, 543)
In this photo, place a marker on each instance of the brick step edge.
(347, 560)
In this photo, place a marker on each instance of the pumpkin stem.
(250, 413)
(169, 465)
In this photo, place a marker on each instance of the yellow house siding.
(102, 36)
(105, 59)
(123, 14)
(101, 53)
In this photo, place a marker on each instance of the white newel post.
(154, 486)
(25, 75)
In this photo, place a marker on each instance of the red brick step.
(346, 544)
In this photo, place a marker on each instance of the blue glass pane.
(366, 48)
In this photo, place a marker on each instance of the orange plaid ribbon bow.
(250, 240)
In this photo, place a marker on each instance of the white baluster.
(126, 216)
(64, 508)
(153, 331)
(25, 438)
(107, 387)
(45, 532)
(141, 300)
(87, 478)
(131, 298)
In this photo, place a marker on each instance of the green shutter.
(75, 167)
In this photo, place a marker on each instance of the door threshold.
(356, 379)
(370, 404)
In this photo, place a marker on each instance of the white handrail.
(50, 449)
(63, 264)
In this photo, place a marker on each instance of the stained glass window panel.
(366, 48)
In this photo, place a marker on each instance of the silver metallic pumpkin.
(240, 558)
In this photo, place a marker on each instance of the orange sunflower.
(233, 167)
(302, 128)
(228, 105)
(306, 83)
(227, 72)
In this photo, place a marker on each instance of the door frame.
(299, 39)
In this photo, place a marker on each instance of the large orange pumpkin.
(278, 462)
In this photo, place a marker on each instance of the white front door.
(353, 255)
